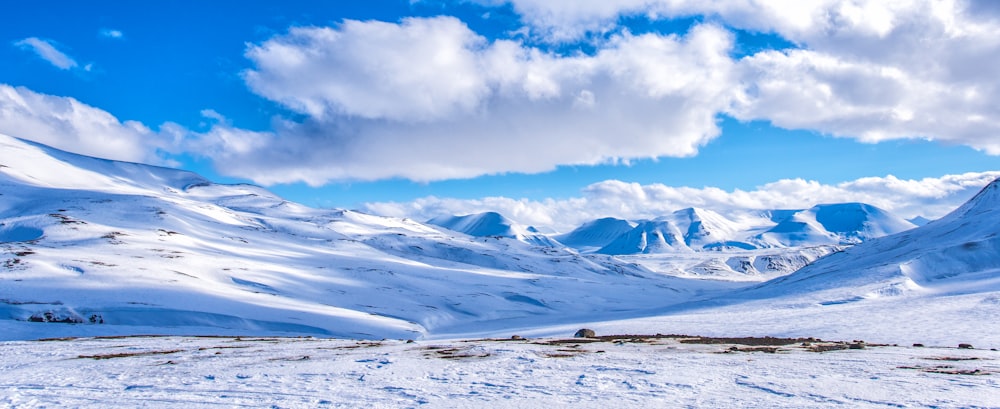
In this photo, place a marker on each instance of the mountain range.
(98, 247)
(695, 229)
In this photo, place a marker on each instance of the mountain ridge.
(116, 248)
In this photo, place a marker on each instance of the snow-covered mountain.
(595, 234)
(701, 229)
(842, 223)
(649, 237)
(493, 224)
(919, 220)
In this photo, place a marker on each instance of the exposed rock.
(50, 316)
(585, 333)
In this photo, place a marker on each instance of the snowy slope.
(756, 265)
(939, 283)
(955, 254)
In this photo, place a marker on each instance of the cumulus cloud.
(921, 73)
(48, 52)
(419, 70)
(565, 20)
(71, 125)
(870, 70)
(428, 99)
(928, 197)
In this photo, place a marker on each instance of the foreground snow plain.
(626, 371)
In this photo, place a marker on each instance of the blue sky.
(524, 107)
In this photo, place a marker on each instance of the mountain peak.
(987, 200)
(596, 233)
(478, 224)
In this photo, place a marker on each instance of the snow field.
(625, 372)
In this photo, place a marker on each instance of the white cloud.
(808, 90)
(111, 33)
(428, 99)
(562, 20)
(921, 73)
(797, 20)
(71, 125)
(48, 52)
(419, 70)
(867, 69)
(929, 197)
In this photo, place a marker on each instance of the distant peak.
(986, 200)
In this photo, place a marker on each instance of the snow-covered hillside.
(127, 248)
(957, 254)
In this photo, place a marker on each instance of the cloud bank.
(929, 197)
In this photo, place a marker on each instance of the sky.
(551, 112)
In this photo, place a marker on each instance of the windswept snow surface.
(626, 372)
